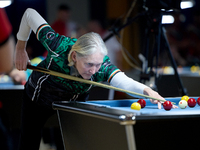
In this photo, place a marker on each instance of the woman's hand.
(21, 58)
(152, 93)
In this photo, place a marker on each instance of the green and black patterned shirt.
(48, 88)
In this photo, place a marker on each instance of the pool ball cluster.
(141, 103)
(167, 105)
(187, 101)
(183, 103)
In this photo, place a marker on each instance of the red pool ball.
(142, 102)
(191, 102)
(198, 101)
(167, 105)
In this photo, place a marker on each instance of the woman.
(84, 57)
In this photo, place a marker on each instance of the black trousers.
(33, 118)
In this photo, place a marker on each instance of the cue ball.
(142, 102)
(136, 106)
(191, 102)
(198, 101)
(182, 104)
(185, 97)
(167, 105)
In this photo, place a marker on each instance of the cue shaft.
(62, 75)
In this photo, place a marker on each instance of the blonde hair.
(87, 44)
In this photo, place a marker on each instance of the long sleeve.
(31, 20)
(120, 80)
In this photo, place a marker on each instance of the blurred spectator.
(178, 40)
(6, 65)
(18, 77)
(6, 44)
(112, 44)
(194, 36)
(63, 25)
(184, 40)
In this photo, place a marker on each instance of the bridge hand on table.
(152, 93)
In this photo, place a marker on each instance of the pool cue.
(62, 75)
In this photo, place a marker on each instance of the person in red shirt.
(63, 25)
(6, 44)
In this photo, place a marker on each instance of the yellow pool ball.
(194, 69)
(185, 97)
(136, 106)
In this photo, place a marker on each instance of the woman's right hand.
(21, 58)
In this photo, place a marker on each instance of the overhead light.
(167, 19)
(187, 4)
(5, 3)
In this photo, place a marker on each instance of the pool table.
(113, 125)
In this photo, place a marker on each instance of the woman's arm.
(120, 80)
(21, 58)
(31, 20)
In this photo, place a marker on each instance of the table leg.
(130, 137)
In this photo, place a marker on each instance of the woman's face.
(88, 65)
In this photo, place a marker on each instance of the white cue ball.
(182, 104)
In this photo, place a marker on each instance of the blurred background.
(153, 41)
(112, 14)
